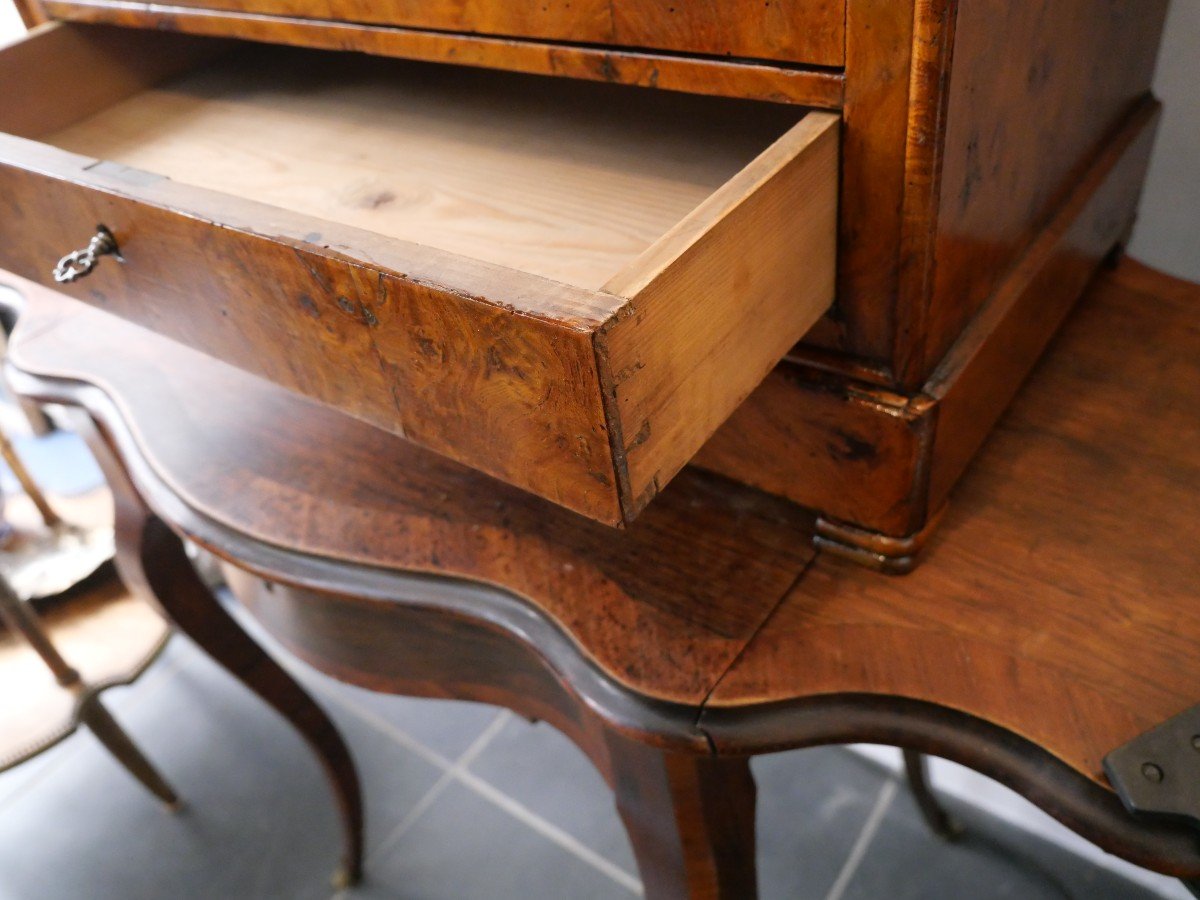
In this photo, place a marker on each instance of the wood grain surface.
(818, 87)
(535, 278)
(885, 460)
(44, 92)
(798, 30)
(695, 575)
(1038, 90)
(715, 303)
(1052, 622)
(1058, 600)
(567, 181)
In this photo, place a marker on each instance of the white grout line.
(379, 723)
(472, 782)
(448, 777)
(886, 794)
(552, 832)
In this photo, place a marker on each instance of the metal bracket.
(1158, 773)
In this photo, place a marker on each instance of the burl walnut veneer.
(579, 288)
(1053, 621)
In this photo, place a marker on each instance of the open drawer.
(568, 286)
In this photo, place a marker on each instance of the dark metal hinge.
(1158, 773)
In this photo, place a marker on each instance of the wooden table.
(812, 246)
(1053, 621)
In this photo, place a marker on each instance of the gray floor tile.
(812, 805)
(466, 848)
(992, 861)
(393, 778)
(539, 767)
(447, 727)
(259, 822)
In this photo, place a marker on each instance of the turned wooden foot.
(690, 820)
(151, 560)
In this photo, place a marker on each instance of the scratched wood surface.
(694, 576)
(1058, 600)
(535, 278)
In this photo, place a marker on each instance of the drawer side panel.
(720, 299)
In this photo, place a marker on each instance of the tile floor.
(463, 801)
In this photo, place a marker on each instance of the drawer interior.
(566, 180)
(568, 285)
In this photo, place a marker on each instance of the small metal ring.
(79, 263)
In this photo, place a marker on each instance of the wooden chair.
(88, 709)
(1053, 621)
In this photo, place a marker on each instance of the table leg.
(940, 822)
(690, 819)
(152, 561)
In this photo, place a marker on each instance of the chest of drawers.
(813, 246)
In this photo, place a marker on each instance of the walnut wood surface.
(854, 452)
(968, 130)
(797, 30)
(701, 75)
(153, 563)
(232, 446)
(1047, 508)
(1037, 637)
(1037, 90)
(879, 49)
(884, 461)
(984, 369)
(1058, 599)
(593, 398)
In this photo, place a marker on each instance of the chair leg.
(151, 559)
(21, 620)
(690, 820)
(916, 766)
(100, 722)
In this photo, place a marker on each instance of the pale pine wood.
(427, 249)
(720, 298)
(57, 73)
(566, 181)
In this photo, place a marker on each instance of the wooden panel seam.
(929, 98)
(756, 80)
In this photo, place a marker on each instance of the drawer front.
(808, 31)
(591, 397)
(390, 345)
